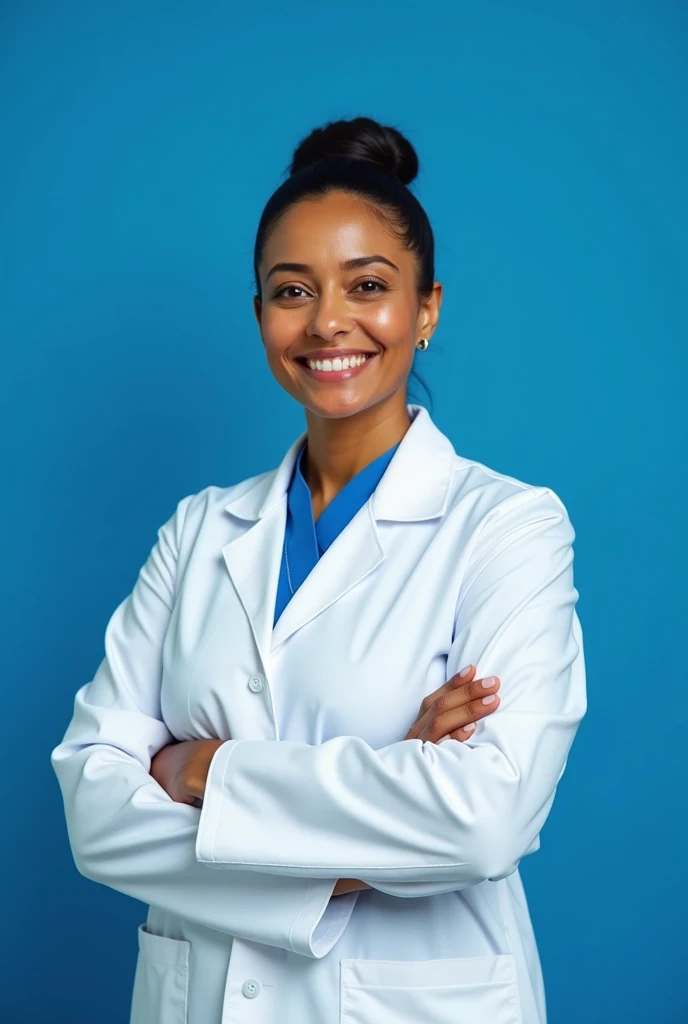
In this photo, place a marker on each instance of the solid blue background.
(140, 142)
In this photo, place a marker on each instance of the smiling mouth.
(337, 368)
(337, 362)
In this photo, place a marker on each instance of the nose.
(330, 315)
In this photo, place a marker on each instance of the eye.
(280, 293)
(372, 280)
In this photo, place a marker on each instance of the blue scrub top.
(307, 540)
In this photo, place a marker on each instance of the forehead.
(337, 224)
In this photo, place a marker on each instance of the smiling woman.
(344, 267)
(292, 750)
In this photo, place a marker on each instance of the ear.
(429, 311)
(258, 310)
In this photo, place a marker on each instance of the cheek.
(392, 321)
(279, 325)
(280, 331)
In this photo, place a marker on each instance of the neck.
(338, 449)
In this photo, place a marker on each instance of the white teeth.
(337, 363)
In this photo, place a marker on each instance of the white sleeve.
(417, 818)
(124, 829)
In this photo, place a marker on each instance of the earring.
(422, 344)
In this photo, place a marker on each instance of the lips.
(341, 353)
(335, 375)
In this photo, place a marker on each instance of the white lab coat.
(448, 563)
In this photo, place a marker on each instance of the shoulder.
(201, 508)
(499, 503)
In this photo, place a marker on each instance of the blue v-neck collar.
(306, 540)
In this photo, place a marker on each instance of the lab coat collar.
(415, 486)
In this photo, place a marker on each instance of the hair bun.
(361, 138)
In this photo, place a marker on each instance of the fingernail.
(470, 727)
(490, 681)
(489, 700)
(465, 671)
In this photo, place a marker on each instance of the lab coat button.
(256, 684)
(251, 988)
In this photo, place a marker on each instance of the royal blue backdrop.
(140, 141)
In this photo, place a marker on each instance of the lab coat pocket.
(161, 981)
(469, 990)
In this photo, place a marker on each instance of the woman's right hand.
(452, 711)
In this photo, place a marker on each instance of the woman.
(279, 752)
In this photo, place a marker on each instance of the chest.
(358, 662)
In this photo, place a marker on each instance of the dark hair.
(369, 159)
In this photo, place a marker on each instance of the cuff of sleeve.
(211, 808)
(322, 918)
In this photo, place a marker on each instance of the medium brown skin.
(374, 309)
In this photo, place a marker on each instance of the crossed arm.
(433, 817)
(450, 712)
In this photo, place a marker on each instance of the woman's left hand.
(182, 769)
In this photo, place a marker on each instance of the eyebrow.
(358, 261)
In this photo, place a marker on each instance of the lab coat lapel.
(351, 556)
(415, 486)
(253, 562)
(253, 559)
